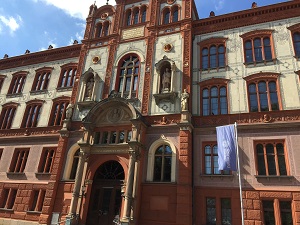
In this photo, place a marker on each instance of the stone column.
(77, 186)
(129, 187)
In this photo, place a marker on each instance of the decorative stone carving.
(184, 100)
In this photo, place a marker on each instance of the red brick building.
(121, 129)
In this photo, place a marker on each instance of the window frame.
(74, 166)
(46, 160)
(209, 84)
(17, 83)
(42, 79)
(295, 29)
(37, 199)
(267, 77)
(277, 209)
(2, 78)
(31, 116)
(128, 58)
(9, 196)
(265, 156)
(258, 34)
(151, 156)
(104, 31)
(19, 160)
(56, 108)
(68, 73)
(6, 118)
(170, 10)
(134, 15)
(208, 44)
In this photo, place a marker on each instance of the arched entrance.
(106, 199)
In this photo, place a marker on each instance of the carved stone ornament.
(114, 94)
(96, 59)
(170, 2)
(168, 47)
(104, 16)
(115, 114)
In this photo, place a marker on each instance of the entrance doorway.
(106, 199)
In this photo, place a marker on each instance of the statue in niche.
(89, 89)
(184, 100)
(166, 80)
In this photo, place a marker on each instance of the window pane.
(268, 208)
(263, 98)
(204, 58)
(273, 96)
(144, 16)
(281, 159)
(207, 149)
(286, 213)
(168, 150)
(260, 159)
(253, 98)
(167, 168)
(257, 50)
(175, 15)
(167, 17)
(136, 17)
(226, 211)
(271, 159)
(208, 165)
(248, 51)
(216, 165)
(267, 49)
(211, 211)
(213, 57)
(157, 168)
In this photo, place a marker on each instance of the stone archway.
(106, 198)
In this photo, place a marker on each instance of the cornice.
(247, 17)
(214, 81)
(256, 33)
(262, 75)
(41, 57)
(295, 27)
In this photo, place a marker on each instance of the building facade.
(121, 129)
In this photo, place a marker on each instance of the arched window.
(32, 114)
(105, 28)
(175, 14)
(136, 16)
(7, 115)
(162, 163)
(58, 112)
(143, 14)
(128, 17)
(166, 16)
(67, 75)
(128, 75)
(99, 30)
(74, 165)
(296, 39)
(214, 101)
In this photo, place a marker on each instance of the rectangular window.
(286, 212)
(268, 209)
(271, 158)
(19, 161)
(226, 211)
(97, 138)
(37, 201)
(211, 166)
(211, 214)
(46, 161)
(8, 198)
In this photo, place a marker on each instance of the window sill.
(38, 92)
(44, 175)
(61, 89)
(211, 70)
(7, 210)
(14, 95)
(160, 182)
(217, 176)
(273, 177)
(260, 63)
(34, 212)
(15, 173)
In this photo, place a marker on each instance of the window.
(226, 211)
(212, 207)
(37, 200)
(136, 15)
(211, 166)
(102, 29)
(8, 198)
(67, 76)
(211, 214)
(162, 163)
(213, 53)
(32, 113)
(19, 161)
(7, 115)
(2, 77)
(214, 97)
(258, 46)
(46, 161)
(271, 158)
(17, 82)
(271, 212)
(74, 165)
(58, 112)
(263, 94)
(41, 79)
(128, 74)
(170, 15)
(295, 30)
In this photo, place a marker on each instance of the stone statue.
(69, 111)
(89, 88)
(166, 80)
(184, 100)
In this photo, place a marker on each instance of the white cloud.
(75, 8)
(219, 4)
(11, 23)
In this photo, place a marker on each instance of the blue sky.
(35, 24)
